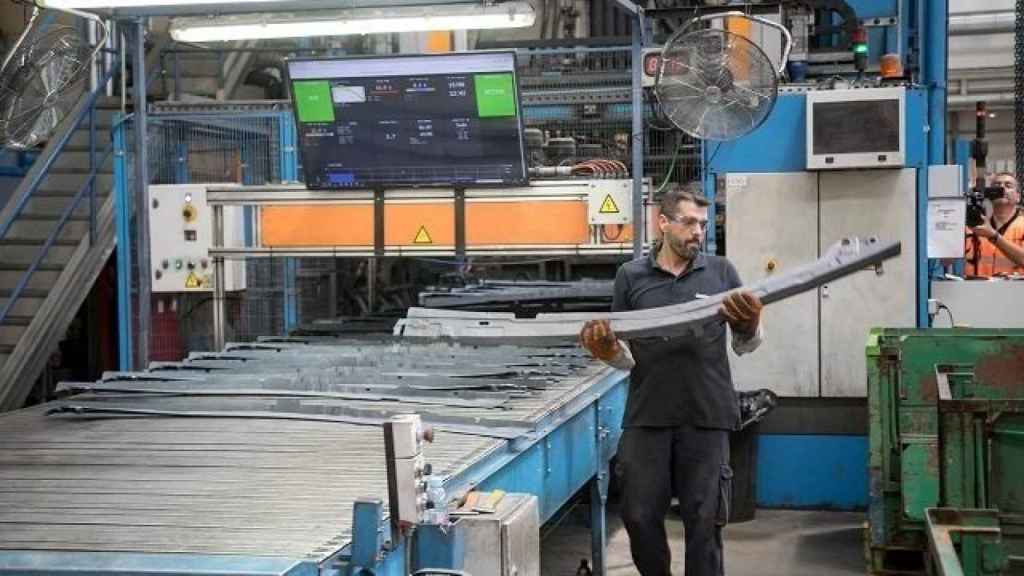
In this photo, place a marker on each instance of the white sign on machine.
(610, 202)
(181, 234)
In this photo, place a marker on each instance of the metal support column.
(287, 144)
(367, 536)
(218, 279)
(962, 157)
(933, 40)
(123, 219)
(599, 520)
(710, 187)
(637, 141)
(290, 295)
(141, 192)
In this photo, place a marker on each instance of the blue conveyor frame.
(569, 450)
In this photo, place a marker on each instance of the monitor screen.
(856, 126)
(425, 120)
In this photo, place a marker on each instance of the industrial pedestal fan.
(42, 78)
(717, 85)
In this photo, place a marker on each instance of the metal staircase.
(57, 230)
(56, 234)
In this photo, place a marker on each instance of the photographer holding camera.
(995, 247)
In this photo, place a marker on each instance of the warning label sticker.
(609, 206)
(193, 281)
(422, 236)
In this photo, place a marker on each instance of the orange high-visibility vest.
(991, 261)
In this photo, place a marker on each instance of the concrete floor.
(775, 543)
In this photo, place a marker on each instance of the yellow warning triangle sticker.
(609, 206)
(193, 281)
(423, 237)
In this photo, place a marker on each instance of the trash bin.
(743, 453)
(743, 460)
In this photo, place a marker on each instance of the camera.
(981, 192)
(976, 198)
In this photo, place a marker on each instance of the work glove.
(742, 310)
(599, 339)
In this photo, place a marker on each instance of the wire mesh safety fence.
(234, 148)
(576, 107)
(579, 104)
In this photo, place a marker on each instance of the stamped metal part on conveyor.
(846, 257)
(458, 389)
(489, 294)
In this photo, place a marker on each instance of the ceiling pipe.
(984, 23)
(989, 98)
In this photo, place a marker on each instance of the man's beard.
(685, 250)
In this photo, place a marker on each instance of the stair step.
(40, 280)
(10, 334)
(79, 141)
(104, 118)
(111, 103)
(13, 320)
(14, 267)
(17, 253)
(53, 206)
(27, 304)
(40, 229)
(62, 183)
(77, 160)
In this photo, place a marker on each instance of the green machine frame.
(946, 460)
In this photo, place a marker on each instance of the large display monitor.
(425, 120)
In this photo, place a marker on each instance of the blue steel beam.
(123, 218)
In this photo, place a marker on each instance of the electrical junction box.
(180, 237)
(506, 543)
(403, 452)
(610, 202)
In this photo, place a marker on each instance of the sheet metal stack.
(527, 297)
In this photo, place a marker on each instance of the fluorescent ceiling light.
(111, 4)
(518, 14)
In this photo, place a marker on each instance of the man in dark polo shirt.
(681, 405)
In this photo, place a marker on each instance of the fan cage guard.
(715, 85)
(43, 81)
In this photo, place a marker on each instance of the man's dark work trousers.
(691, 464)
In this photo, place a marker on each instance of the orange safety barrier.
(337, 225)
(424, 224)
(527, 222)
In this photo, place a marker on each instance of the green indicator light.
(860, 48)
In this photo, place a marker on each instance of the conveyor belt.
(237, 486)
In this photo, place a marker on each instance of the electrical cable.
(942, 306)
(671, 168)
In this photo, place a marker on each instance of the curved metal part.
(737, 14)
(492, 429)
(199, 392)
(21, 39)
(846, 257)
